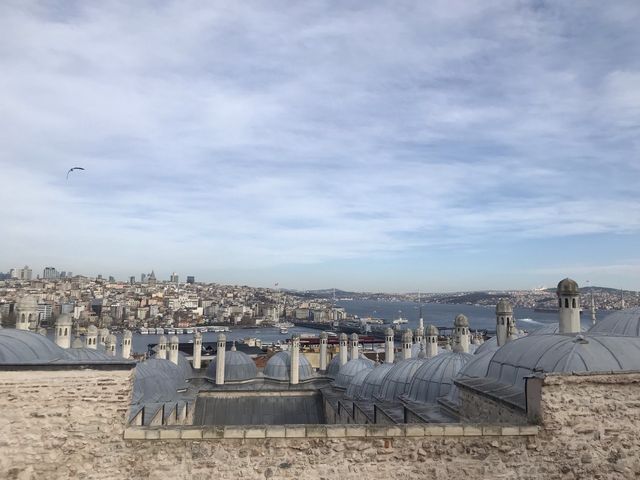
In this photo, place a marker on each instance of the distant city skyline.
(441, 146)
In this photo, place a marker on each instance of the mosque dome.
(568, 287)
(349, 370)
(334, 365)
(24, 347)
(27, 303)
(549, 329)
(563, 353)
(492, 343)
(504, 307)
(434, 379)
(82, 354)
(238, 367)
(356, 383)
(279, 367)
(396, 382)
(156, 380)
(372, 382)
(461, 321)
(623, 322)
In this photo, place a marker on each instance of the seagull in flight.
(72, 169)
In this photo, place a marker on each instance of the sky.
(379, 146)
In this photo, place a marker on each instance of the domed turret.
(461, 321)
(504, 321)
(91, 338)
(389, 345)
(568, 306)
(324, 341)
(461, 333)
(568, 287)
(63, 330)
(407, 342)
(26, 312)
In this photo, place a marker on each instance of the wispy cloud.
(256, 134)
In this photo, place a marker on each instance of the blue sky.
(444, 145)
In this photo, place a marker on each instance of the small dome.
(396, 382)
(92, 330)
(623, 322)
(504, 307)
(407, 336)
(279, 367)
(156, 380)
(568, 287)
(434, 378)
(64, 320)
(372, 382)
(354, 337)
(563, 353)
(174, 339)
(334, 365)
(324, 335)
(127, 334)
(349, 370)
(420, 332)
(162, 339)
(27, 303)
(389, 332)
(238, 367)
(356, 383)
(24, 347)
(461, 321)
(432, 331)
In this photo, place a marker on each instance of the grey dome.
(372, 382)
(24, 347)
(478, 366)
(551, 328)
(461, 321)
(334, 365)
(434, 379)
(397, 380)
(279, 366)
(238, 367)
(563, 353)
(623, 322)
(156, 380)
(356, 383)
(568, 287)
(504, 307)
(89, 354)
(349, 370)
(490, 344)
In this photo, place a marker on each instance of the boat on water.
(160, 331)
(284, 330)
(143, 331)
(400, 321)
(179, 331)
(171, 331)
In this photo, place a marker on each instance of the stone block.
(152, 434)
(414, 430)
(318, 431)
(336, 431)
(255, 432)
(275, 431)
(295, 432)
(191, 433)
(233, 432)
(356, 431)
(472, 430)
(510, 430)
(395, 431)
(491, 430)
(134, 434)
(213, 432)
(529, 430)
(433, 430)
(453, 430)
(169, 434)
(376, 431)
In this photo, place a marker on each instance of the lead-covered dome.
(279, 367)
(334, 365)
(371, 384)
(461, 321)
(156, 380)
(396, 382)
(434, 379)
(238, 367)
(623, 322)
(568, 287)
(356, 383)
(550, 329)
(349, 370)
(563, 353)
(24, 347)
(504, 307)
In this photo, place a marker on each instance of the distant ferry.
(160, 331)
(400, 321)
(143, 331)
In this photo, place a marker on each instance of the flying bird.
(72, 169)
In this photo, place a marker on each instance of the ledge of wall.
(327, 431)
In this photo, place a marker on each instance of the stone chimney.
(63, 330)
(324, 339)
(407, 342)
(126, 344)
(220, 354)
(344, 355)
(388, 345)
(197, 350)
(294, 374)
(162, 347)
(568, 306)
(354, 346)
(432, 341)
(504, 317)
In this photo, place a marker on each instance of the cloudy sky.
(441, 145)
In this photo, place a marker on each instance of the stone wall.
(478, 407)
(71, 424)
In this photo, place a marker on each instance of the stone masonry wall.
(71, 424)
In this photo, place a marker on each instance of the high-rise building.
(112, 279)
(132, 280)
(174, 278)
(152, 278)
(21, 273)
(50, 273)
(191, 279)
(143, 277)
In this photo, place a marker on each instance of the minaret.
(220, 354)
(295, 360)
(354, 346)
(197, 350)
(162, 348)
(461, 328)
(173, 349)
(344, 355)
(110, 345)
(568, 306)
(388, 346)
(91, 338)
(63, 330)
(324, 338)
(432, 341)
(126, 344)
(504, 317)
(407, 341)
